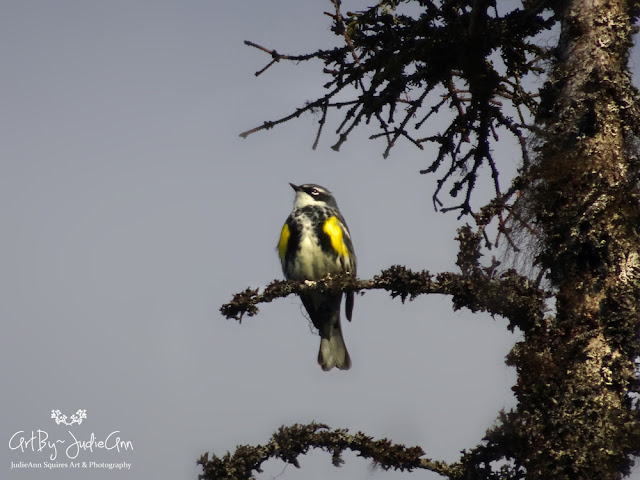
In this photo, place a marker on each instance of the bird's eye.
(314, 191)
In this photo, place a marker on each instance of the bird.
(315, 242)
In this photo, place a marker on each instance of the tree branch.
(445, 49)
(288, 443)
(508, 294)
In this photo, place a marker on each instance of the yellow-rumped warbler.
(314, 243)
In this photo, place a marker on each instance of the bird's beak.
(295, 187)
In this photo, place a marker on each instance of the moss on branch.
(508, 294)
(288, 443)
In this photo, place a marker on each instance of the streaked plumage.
(315, 242)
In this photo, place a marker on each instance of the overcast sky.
(131, 211)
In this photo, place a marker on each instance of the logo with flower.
(60, 418)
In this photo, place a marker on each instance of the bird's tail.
(333, 352)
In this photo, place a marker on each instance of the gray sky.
(131, 210)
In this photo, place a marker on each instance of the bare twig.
(276, 56)
(341, 28)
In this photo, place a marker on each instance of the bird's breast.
(312, 262)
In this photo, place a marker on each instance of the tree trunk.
(576, 369)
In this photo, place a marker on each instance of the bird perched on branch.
(315, 242)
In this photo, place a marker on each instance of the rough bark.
(576, 370)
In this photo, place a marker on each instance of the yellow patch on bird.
(334, 230)
(284, 241)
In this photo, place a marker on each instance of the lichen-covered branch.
(507, 294)
(288, 443)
